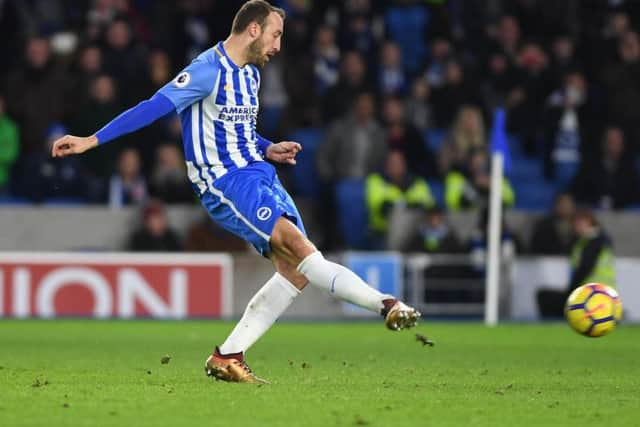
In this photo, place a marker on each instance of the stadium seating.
(437, 190)
(434, 138)
(352, 212)
(304, 177)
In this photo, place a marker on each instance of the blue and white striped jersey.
(218, 105)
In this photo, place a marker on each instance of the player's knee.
(300, 246)
(289, 272)
(286, 238)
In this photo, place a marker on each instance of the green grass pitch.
(108, 373)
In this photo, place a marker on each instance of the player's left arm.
(281, 152)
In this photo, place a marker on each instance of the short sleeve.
(191, 85)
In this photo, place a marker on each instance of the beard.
(255, 55)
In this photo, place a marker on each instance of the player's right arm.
(192, 84)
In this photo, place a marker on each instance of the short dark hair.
(586, 214)
(253, 11)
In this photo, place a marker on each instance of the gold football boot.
(230, 368)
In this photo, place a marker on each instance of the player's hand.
(284, 152)
(69, 144)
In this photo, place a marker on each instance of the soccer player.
(217, 99)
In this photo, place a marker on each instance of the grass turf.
(108, 373)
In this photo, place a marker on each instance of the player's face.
(268, 43)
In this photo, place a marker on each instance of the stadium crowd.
(393, 102)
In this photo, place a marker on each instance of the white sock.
(261, 312)
(341, 282)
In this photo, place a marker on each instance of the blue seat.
(14, 200)
(270, 119)
(352, 212)
(434, 138)
(437, 190)
(525, 169)
(564, 173)
(515, 146)
(534, 194)
(304, 176)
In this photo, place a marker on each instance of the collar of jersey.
(219, 48)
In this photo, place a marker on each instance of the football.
(593, 309)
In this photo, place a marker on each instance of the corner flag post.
(499, 159)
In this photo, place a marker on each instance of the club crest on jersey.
(182, 79)
(264, 213)
(253, 86)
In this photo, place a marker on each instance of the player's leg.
(227, 360)
(290, 245)
(234, 214)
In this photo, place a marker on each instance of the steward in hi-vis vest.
(395, 185)
(592, 255)
(591, 261)
(467, 187)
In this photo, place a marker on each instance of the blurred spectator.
(404, 137)
(206, 236)
(99, 16)
(273, 96)
(616, 25)
(88, 67)
(407, 23)
(508, 37)
(340, 96)
(468, 188)
(539, 19)
(457, 90)
(355, 145)
(298, 26)
(159, 69)
(394, 188)
(568, 126)
(500, 86)
(610, 180)
(169, 181)
(436, 236)
(357, 32)
(12, 31)
(155, 235)
(124, 59)
(563, 58)
(43, 177)
(553, 234)
(441, 55)
(326, 56)
(36, 95)
(417, 105)
(622, 82)
(9, 147)
(127, 186)
(101, 107)
(391, 76)
(466, 135)
(159, 72)
(188, 27)
(478, 243)
(592, 261)
(534, 86)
